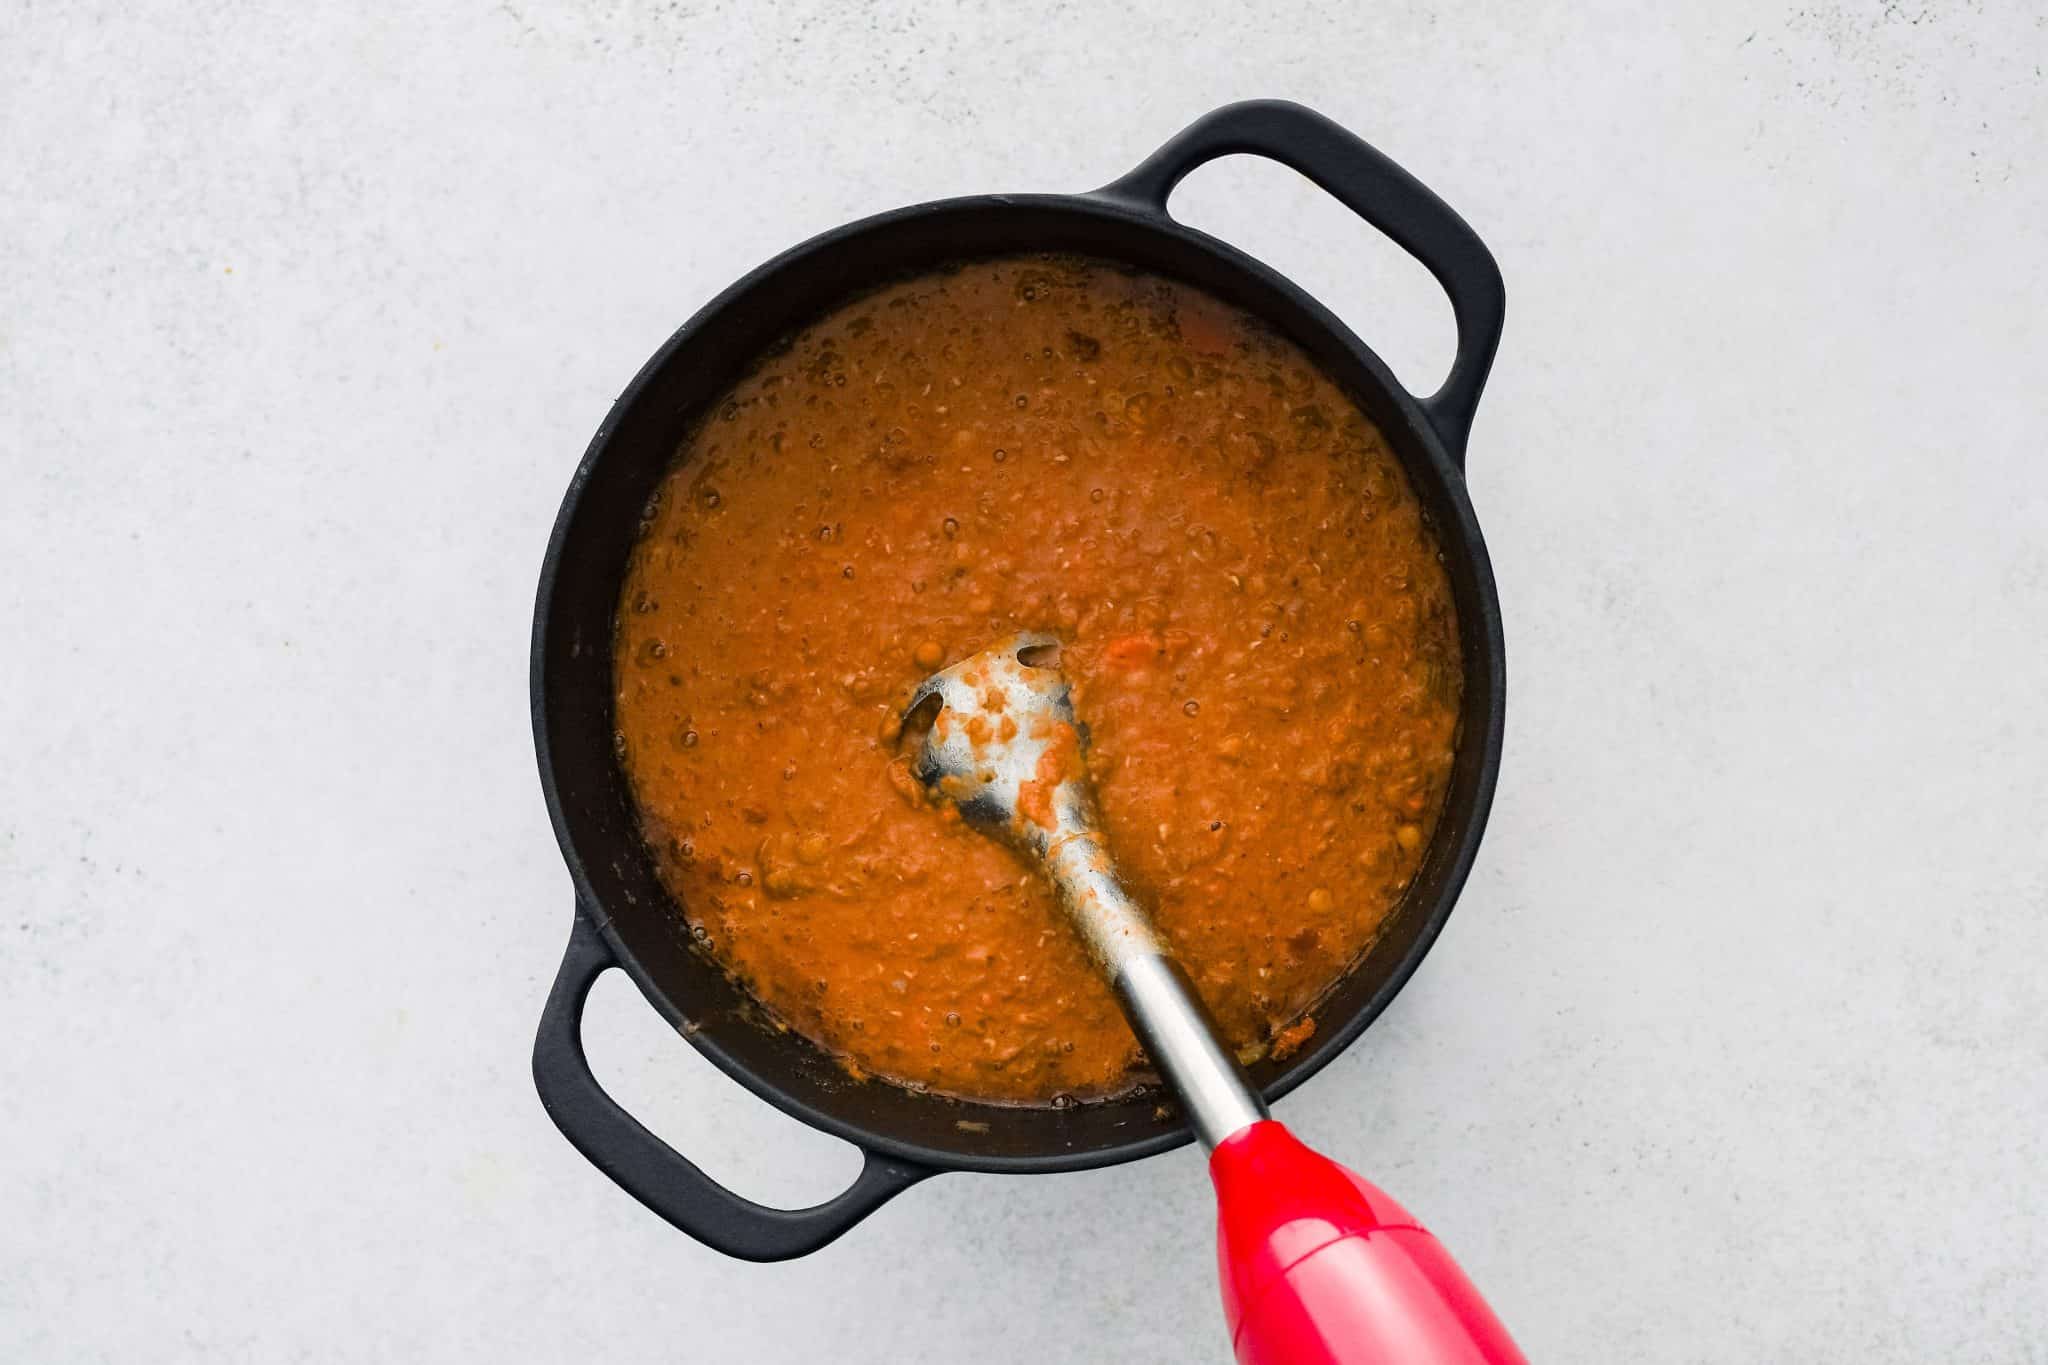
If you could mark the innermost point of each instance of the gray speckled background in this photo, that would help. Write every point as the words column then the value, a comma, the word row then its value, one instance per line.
column 1737, row 1048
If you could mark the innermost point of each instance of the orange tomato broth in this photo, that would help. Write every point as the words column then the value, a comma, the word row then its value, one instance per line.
column 1256, row 623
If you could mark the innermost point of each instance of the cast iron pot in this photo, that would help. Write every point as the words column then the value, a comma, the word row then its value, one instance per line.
column 625, row 918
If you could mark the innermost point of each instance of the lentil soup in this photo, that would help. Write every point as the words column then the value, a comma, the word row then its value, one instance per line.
column 1256, row 624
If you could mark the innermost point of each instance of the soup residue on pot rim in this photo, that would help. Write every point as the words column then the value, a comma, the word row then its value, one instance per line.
column 1256, row 623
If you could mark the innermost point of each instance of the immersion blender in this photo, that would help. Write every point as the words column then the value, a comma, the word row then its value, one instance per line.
column 1318, row 1266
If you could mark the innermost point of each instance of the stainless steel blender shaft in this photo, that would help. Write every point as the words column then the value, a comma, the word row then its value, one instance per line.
column 1004, row 747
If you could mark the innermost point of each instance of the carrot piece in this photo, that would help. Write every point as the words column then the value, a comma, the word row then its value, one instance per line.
column 1131, row 651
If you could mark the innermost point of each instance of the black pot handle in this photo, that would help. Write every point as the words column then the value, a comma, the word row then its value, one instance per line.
column 655, row 1173
column 1378, row 191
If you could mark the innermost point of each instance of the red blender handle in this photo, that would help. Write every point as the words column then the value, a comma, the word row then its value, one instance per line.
column 1321, row 1268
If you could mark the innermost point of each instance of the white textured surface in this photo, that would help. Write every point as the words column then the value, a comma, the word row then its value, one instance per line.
column 1737, row 1048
